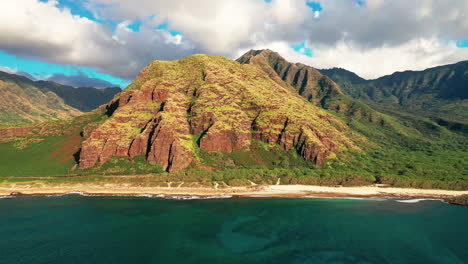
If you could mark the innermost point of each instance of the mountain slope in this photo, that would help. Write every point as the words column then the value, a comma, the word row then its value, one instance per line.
column 29, row 101
column 207, row 119
column 344, row 78
column 22, row 102
column 440, row 91
column 83, row 98
column 310, row 84
column 175, row 109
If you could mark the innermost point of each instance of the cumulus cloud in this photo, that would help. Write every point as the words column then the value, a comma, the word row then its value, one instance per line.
column 17, row 72
column 8, row 70
column 222, row 26
column 375, row 62
column 370, row 37
column 378, row 22
column 216, row 26
column 41, row 30
column 358, row 35
column 79, row 80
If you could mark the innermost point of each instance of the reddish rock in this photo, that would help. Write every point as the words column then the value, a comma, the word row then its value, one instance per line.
column 88, row 129
column 224, row 140
column 15, row 131
column 221, row 103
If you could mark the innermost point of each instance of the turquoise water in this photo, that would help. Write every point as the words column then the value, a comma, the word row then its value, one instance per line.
column 75, row 229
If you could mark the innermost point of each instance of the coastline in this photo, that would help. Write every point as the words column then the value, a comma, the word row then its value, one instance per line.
column 278, row 191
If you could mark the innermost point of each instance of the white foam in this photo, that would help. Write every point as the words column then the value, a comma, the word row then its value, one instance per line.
column 182, row 197
column 317, row 197
column 79, row 193
column 260, row 196
column 218, row 197
column 192, row 197
column 107, row 195
column 418, row 200
column 144, row 195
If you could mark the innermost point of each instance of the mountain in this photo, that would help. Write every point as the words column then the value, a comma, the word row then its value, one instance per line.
column 83, row 98
column 174, row 109
column 310, row 84
column 205, row 118
column 346, row 79
column 23, row 102
column 440, row 92
column 363, row 116
column 35, row 101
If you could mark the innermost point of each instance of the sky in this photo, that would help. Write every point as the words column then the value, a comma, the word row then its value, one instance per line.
column 105, row 43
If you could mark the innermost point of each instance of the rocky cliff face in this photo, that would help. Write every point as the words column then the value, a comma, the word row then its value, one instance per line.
column 174, row 108
column 310, row 84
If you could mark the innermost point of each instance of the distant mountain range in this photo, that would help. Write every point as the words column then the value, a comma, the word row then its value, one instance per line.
column 27, row 101
column 439, row 92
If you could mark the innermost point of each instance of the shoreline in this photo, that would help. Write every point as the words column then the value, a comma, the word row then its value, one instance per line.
column 264, row 191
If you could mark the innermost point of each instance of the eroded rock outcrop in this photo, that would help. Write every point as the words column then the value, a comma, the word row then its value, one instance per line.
column 310, row 84
column 211, row 103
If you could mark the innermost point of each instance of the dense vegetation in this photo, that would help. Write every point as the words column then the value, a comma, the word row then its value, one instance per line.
column 437, row 162
column 311, row 84
column 28, row 101
column 397, row 148
column 23, row 102
column 82, row 98
column 439, row 92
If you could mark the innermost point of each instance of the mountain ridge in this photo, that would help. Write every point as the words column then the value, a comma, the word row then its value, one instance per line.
column 210, row 103
column 308, row 82
column 439, row 92
column 35, row 101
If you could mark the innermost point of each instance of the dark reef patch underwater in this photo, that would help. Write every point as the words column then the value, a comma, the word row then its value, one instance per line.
column 76, row 229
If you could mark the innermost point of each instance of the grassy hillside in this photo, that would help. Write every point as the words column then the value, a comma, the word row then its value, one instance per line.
column 22, row 102
column 204, row 104
column 82, row 98
column 28, row 101
column 310, row 84
column 439, row 92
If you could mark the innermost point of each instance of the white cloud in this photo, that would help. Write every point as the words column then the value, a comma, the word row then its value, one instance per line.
column 17, row 72
column 289, row 12
column 217, row 26
column 41, row 30
column 373, row 63
column 8, row 70
column 375, row 39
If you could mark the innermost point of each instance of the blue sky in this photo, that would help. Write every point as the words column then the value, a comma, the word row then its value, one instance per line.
column 77, row 8
column 302, row 49
column 41, row 70
column 462, row 43
column 316, row 6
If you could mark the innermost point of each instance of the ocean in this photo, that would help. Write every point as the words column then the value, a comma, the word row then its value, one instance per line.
column 80, row 229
